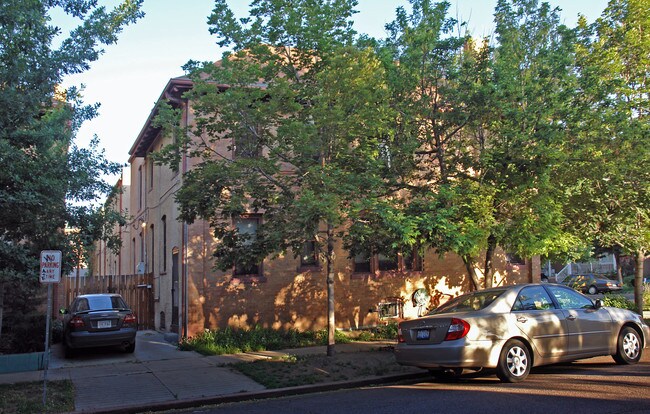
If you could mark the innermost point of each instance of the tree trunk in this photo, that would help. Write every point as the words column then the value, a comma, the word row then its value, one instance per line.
column 619, row 268
column 638, row 281
column 489, row 254
column 471, row 273
column 331, row 323
column 2, row 304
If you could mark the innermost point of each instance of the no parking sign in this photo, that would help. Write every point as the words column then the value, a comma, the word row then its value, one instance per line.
column 50, row 266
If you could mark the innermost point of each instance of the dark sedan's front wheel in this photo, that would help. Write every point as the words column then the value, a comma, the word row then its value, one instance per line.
column 628, row 350
column 514, row 362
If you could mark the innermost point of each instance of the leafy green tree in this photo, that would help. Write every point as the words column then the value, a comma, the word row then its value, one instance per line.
column 292, row 124
column 46, row 179
column 437, row 80
column 518, row 141
column 488, row 122
column 610, row 195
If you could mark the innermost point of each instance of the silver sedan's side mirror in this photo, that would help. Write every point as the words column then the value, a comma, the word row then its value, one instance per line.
column 598, row 303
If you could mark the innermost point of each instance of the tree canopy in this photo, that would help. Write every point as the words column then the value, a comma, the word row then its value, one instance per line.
column 427, row 139
column 609, row 190
column 296, row 133
column 47, row 181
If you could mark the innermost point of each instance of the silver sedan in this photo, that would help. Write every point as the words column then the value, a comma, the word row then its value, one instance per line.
column 517, row 327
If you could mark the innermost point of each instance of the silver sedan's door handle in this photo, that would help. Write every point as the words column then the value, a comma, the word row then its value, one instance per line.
column 571, row 317
column 522, row 319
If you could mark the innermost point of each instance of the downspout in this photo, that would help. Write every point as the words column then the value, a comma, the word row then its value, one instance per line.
column 185, row 238
column 119, row 256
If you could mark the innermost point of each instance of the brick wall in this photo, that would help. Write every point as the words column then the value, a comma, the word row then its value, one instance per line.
column 294, row 297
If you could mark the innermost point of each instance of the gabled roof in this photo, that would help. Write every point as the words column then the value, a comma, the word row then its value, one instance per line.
column 172, row 93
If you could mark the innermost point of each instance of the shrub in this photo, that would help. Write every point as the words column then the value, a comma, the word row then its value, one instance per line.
column 26, row 333
column 386, row 331
column 231, row 341
column 57, row 330
column 618, row 301
column 365, row 336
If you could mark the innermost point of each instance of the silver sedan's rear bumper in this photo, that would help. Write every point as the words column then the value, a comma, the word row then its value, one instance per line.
column 450, row 354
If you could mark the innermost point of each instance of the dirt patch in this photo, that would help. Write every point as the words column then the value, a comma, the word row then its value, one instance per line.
column 291, row 371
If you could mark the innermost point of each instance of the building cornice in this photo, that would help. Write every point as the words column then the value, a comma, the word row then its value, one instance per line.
column 173, row 94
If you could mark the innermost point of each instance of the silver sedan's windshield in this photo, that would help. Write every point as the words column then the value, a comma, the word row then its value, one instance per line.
column 470, row 302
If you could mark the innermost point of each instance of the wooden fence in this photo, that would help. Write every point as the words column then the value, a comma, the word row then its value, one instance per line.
column 137, row 291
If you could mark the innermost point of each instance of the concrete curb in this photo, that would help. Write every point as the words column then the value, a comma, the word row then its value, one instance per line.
column 266, row 394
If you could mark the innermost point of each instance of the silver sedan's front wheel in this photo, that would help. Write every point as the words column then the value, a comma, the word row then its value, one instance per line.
column 514, row 362
column 628, row 350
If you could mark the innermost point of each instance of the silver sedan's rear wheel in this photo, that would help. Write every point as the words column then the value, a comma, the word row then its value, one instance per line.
column 628, row 349
column 514, row 362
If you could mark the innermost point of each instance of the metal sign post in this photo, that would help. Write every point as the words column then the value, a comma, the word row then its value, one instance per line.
column 50, row 273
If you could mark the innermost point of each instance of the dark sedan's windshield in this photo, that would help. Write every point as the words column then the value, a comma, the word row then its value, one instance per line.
column 470, row 302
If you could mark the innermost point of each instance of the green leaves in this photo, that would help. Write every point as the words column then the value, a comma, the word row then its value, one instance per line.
column 612, row 137
column 47, row 182
column 295, row 125
column 428, row 138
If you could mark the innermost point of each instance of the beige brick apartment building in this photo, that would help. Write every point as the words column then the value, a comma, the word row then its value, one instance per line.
column 187, row 295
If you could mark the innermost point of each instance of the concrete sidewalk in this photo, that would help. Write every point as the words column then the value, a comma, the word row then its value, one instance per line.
column 158, row 376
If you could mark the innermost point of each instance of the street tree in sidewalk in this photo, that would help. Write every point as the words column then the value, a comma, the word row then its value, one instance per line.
column 45, row 176
column 488, row 122
column 437, row 77
column 517, row 145
column 292, row 124
column 608, row 179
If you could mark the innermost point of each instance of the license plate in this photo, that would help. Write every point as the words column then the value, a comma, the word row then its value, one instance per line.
column 103, row 324
column 422, row 334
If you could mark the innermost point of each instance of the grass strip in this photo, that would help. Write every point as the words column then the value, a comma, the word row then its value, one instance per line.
column 27, row 397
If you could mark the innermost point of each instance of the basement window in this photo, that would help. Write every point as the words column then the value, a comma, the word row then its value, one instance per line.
column 391, row 308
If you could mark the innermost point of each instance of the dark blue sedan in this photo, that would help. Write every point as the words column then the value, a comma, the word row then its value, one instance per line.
column 98, row 320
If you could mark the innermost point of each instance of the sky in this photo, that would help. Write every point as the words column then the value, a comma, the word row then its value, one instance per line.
column 130, row 76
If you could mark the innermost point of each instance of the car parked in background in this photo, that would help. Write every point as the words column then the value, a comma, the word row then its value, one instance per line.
column 592, row 284
column 98, row 320
column 514, row 328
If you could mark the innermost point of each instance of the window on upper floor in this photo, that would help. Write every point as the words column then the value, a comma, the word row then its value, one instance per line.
column 247, row 226
column 140, row 188
column 248, row 145
column 150, row 167
column 163, row 222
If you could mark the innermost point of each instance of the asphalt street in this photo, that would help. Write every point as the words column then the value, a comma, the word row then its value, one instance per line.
column 592, row 386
